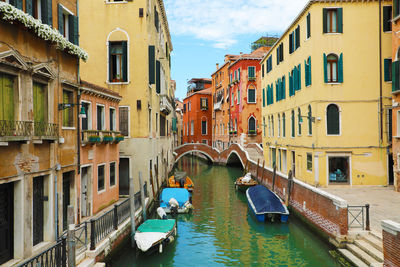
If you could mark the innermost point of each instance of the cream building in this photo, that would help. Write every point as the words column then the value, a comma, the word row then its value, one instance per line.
column 327, row 95
column 130, row 46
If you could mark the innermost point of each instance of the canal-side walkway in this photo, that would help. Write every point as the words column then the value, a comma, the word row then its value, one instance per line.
column 384, row 201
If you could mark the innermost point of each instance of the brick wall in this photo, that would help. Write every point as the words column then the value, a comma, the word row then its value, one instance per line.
column 391, row 243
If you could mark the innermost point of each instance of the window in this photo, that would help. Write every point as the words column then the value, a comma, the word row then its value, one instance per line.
column 263, row 97
column 39, row 9
column 333, row 20
column 299, row 121
column 238, row 96
column 162, row 126
column 204, row 103
column 398, row 126
column 113, row 126
column 283, row 125
column 309, row 120
column 156, row 19
column 39, row 106
column 332, row 120
column 308, row 25
column 192, row 128
column 87, row 122
column 333, row 68
column 338, row 169
column 279, row 54
column 100, row 177
column 68, row 24
column 239, row 74
column 124, row 120
column 269, row 64
column 293, row 128
column 294, row 40
column 272, row 126
column 232, row 99
column 252, row 73
column 100, row 118
column 279, row 125
column 152, row 64
column 118, row 62
column 252, row 125
column 396, row 8
column 112, row 173
column 387, row 18
column 264, row 127
column 204, row 127
column 309, row 162
column 388, row 69
column 68, row 113
column 307, row 68
column 251, row 95
column 262, row 70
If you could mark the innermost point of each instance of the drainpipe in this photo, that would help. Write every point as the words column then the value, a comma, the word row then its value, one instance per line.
column 78, row 97
column 380, row 72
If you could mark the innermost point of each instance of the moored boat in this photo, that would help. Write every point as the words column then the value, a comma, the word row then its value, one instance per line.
column 175, row 200
column 266, row 205
column 155, row 234
column 181, row 180
column 243, row 183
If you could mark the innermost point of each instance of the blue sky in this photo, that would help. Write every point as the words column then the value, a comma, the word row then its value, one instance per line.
column 204, row 31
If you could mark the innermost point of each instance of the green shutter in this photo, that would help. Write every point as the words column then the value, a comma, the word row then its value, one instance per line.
column 387, row 23
column 299, row 76
column 283, row 87
column 305, row 73
column 309, row 71
column 387, row 63
column 16, row 3
column 395, row 76
column 272, row 93
column 340, row 20
column 340, row 68
column 324, row 20
column 29, row 7
column 263, row 96
column 309, row 120
column 308, row 25
column 73, row 29
column 298, row 36
column 60, row 19
column 125, row 61
column 38, row 102
column 333, row 119
column 110, row 78
column 65, row 111
column 6, row 97
column 47, row 14
column 325, row 69
column 152, row 58
column 158, row 77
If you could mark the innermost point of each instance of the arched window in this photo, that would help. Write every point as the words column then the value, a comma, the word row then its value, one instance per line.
column 299, row 121
column 252, row 125
column 332, row 68
column 293, row 125
column 118, row 63
column 283, row 125
column 203, row 126
column 279, row 125
column 332, row 120
column 309, row 120
column 272, row 125
column 251, row 94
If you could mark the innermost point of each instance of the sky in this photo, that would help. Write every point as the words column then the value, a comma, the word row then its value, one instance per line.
column 204, row 31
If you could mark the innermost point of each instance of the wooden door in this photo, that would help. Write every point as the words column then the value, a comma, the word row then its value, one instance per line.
column 84, row 191
column 6, row 222
column 6, row 97
column 66, row 198
column 38, row 208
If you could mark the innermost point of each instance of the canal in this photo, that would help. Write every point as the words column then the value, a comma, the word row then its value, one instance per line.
column 221, row 232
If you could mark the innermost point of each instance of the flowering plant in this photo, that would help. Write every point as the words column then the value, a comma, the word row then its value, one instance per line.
column 10, row 13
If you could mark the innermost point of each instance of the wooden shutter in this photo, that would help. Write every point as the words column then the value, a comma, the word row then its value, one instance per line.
column 387, row 64
column 66, row 113
column 6, row 97
column 325, row 69
column 38, row 102
column 290, row 43
column 158, row 77
column 152, row 67
column 60, row 19
column 47, row 14
column 125, row 61
column 16, row 3
column 123, row 121
column 324, row 20
column 299, row 76
column 387, row 18
column 29, row 7
column 73, row 29
column 309, row 71
column 340, row 20
column 263, row 97
column 340, row 68
column 283, row 88
column 281, row 52
column 395, row 8
column 332, row 119
column 110, row 69
column 277, row 55
column 308, row 25
column 298, row 37
column 395, row 76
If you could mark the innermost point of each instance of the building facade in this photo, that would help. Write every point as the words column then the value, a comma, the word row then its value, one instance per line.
column 38, row 124
column 134, row 39
column 98, row 183
column 322, row 76
column 179, row 122
column 197, row 113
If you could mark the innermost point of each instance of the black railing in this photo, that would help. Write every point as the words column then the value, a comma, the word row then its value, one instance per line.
column 123, row 210
column 55, row 256
column 15, row 128
column 45, row 129
column 358, row 217
column 138, row 201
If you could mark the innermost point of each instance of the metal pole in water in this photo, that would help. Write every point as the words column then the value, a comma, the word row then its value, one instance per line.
column 132, row 208
column 142, row 198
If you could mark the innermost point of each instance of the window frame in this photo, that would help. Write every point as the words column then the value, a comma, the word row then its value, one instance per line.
column 329, row 66
column 113, row 127
column 339, row 121
column 103, row 117
column 88, row 114
column 206, row 129
column 70, row 110
column 255, row 125
column 129, row 120
column 251, row 87
column 104, row 178
column 109, row 81
column 115, row 173
column 309, row 162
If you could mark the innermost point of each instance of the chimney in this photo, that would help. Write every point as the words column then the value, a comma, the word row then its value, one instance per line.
column 217, row 65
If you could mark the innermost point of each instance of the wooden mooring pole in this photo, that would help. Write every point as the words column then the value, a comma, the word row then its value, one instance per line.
column 258, row 164
column 132, row 208
column 273, row 177
column 152, row 185
column 142, row 196
column 262, row 174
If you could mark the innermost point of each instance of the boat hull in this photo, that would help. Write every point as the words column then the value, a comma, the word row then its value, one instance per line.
column 157, row 245
column 189, row 185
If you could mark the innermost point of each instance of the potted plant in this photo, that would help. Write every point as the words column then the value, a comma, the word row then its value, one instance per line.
column 119, row 138
column 252, row 132
column 108, row 139
column 252, row 78
column 94, row 139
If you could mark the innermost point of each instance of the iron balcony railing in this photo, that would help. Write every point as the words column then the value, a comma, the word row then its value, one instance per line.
column 46, row 130
column 358, row 217
column 55, row 256
column 99, row 136
column 17, row 130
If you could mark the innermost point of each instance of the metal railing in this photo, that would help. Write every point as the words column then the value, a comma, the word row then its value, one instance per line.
column 86, row 134
column 358, row 217
column 45, row 129
column 123, row 211
column 15, row 128
column 55, row 256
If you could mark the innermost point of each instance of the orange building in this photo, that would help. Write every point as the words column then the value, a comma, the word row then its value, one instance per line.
column 99, row 175
column 197, row 112
column 245, row 98
column 395, row 28
column 220, row 112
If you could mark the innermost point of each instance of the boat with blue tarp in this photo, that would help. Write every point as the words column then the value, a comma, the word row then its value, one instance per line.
column 175, row 200
column 266, row 205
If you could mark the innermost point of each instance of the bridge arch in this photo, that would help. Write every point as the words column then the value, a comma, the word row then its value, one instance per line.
column 209, row 158
column 234, row 158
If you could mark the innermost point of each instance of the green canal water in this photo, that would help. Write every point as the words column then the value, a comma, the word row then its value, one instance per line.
column 221, row 232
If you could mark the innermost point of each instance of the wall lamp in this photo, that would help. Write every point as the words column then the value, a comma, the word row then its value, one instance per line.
column 308, row 117
column 82, row 113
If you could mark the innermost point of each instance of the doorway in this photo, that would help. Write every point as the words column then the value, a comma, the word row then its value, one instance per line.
column 66, row 199
column 124, row 176
column 85, row 191
column 390, row 169
column 38, row 210
column 339, row 170
column 6, row 222
column 293, row 163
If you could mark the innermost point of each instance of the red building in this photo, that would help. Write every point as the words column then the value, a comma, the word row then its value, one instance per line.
column 245, row 98
column 197, row 113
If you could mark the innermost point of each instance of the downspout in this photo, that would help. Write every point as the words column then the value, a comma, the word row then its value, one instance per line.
column 380, row 72
column 78, row 97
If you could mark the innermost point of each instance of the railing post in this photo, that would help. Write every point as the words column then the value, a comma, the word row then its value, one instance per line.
column 85, row 234
column 92, row 234
column 115, row 217
column 71, row 237
column 367, row 226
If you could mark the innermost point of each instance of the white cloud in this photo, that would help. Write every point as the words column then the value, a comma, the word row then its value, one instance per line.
column 222, row 21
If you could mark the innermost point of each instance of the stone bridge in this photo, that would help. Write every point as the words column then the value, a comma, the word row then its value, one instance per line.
column 235, row 154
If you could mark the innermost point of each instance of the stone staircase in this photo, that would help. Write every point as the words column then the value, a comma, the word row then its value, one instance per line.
column 365, row 250
column 255, row 154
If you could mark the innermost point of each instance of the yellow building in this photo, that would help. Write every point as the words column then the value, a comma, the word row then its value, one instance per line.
column 325, row 96
column 131, row 45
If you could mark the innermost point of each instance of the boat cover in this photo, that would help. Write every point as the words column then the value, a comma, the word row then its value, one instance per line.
column 180, row 194
column 263, row 201
column 145, row 241
column 158, row 226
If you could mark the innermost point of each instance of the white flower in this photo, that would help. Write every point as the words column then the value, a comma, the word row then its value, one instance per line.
column 44, row 31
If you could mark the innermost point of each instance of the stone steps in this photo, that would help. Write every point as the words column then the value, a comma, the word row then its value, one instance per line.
column 352, row 258
column 369, row 249
column 88, row 262
column 361, row 254
column 374, row 241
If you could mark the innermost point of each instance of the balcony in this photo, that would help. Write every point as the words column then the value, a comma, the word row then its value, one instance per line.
column 165, row 105
column 98, row 137
column 14, row 131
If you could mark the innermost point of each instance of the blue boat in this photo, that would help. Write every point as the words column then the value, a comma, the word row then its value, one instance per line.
column 265, row 204
column 175, row 200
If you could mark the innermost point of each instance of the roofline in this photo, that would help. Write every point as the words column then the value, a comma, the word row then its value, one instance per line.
column 245, row 58
column 165, row 20
column 197, row 93
column 220, row 68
